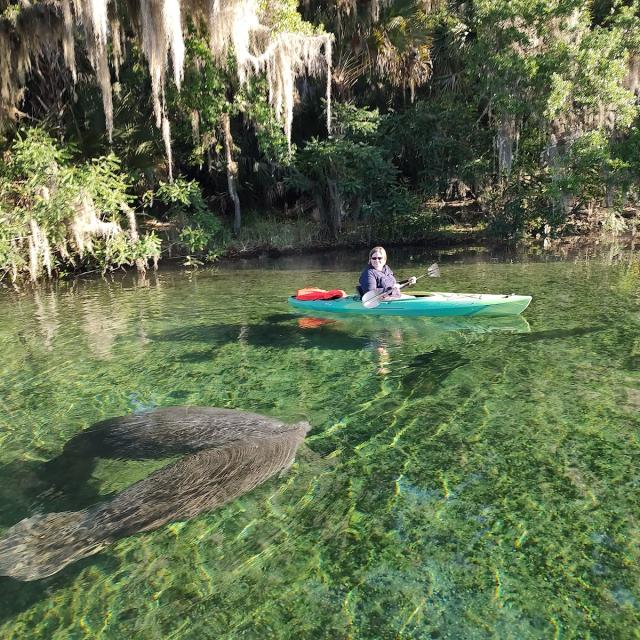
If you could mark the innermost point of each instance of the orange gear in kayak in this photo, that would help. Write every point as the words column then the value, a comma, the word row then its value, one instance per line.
column 311, row 293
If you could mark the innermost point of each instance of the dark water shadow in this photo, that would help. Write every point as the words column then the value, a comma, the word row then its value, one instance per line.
column 280, row 317
column 561, row 334
column 429, row 371
column 224, row 453
column 273, row 335
column 288, row 331
column 196, row 357
column 32, row 487
column 20, row 596
column 632, row 363
column 427, row 324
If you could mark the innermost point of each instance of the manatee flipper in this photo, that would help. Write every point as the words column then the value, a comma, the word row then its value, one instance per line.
column 42, row 545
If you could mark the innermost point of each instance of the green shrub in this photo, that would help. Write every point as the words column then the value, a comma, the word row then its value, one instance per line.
column 57, row 215
column 350, row 176
column 201, row 233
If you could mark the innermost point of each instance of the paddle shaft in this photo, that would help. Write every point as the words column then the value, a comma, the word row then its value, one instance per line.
column 406, row 283
column 401, row 286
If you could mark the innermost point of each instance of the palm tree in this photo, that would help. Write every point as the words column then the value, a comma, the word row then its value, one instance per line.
column 382, row 50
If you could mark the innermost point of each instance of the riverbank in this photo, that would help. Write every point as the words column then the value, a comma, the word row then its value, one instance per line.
column 297, row 239
column 439, row 225
column 446, row 238
column 269, row 240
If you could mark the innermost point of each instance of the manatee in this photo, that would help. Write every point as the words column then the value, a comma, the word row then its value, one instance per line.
column 228, row 454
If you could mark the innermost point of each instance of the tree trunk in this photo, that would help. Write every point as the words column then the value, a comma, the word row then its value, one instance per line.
column 335, row 206
column 141, row 264
column 232, row 172
column 329, row 203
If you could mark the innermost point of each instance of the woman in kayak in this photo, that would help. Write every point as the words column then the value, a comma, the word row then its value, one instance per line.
column 378, row 275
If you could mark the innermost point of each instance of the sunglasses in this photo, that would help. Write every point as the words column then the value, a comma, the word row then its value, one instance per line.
column 377, row 257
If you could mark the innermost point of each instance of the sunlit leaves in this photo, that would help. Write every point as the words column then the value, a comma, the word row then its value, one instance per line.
column 56, row 213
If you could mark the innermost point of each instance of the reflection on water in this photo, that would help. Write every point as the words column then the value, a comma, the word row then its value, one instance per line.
column 419, row 326
column 230, row 453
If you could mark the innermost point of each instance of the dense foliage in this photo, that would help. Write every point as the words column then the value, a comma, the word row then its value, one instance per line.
column 56, row 213
column 525, row 112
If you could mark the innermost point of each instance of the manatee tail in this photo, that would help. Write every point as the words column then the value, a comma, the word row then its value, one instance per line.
column 40, row 546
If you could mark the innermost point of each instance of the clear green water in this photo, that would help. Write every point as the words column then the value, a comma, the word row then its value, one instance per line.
column 469, row 480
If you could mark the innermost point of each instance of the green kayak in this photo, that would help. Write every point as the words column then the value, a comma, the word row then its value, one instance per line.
column 430, row 304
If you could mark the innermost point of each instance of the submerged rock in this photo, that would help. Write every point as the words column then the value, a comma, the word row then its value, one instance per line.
column 230, row 453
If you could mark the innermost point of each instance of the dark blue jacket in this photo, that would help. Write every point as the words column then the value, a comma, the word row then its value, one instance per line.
column 372, row 279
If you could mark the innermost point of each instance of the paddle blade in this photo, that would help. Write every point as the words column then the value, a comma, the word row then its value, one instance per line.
column 434, row 271
column 371, row 299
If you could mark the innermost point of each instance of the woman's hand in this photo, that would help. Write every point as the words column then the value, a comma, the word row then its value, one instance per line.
column 412, row 280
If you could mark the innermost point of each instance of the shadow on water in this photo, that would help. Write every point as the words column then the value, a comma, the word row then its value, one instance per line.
column 561, row 334
column 224, row 454
column 20, row 596
column 280, row 317
column 28, row 487
column 432, row 327
column 632, row 363
column 271, row 335
column 428, row 371
column 286, row 331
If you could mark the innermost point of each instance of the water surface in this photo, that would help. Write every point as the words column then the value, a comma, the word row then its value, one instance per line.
column 462, row 479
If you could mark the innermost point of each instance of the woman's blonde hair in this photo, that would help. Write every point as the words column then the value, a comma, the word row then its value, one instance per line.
column 380, row 249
